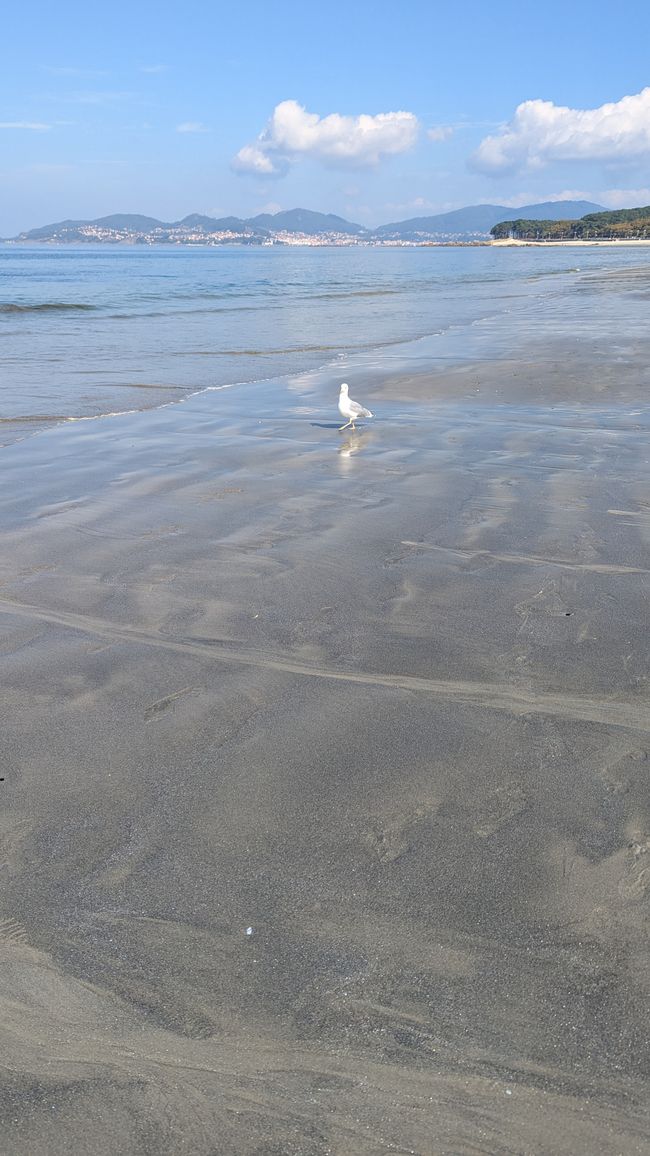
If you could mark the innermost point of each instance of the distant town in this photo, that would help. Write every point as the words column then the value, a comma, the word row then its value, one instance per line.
column 555, row 221
column 180, row 235
column 300, row 227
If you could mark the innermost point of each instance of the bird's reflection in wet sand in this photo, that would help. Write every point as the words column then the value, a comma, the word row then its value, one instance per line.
column 353, row 443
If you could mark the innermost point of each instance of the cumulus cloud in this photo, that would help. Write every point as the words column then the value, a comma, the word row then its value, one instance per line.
column 355, row 141
column 624, row 198
column 255, row 160
column 541, row 132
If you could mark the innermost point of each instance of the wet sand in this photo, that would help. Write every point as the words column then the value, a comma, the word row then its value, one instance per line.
column 325, row 823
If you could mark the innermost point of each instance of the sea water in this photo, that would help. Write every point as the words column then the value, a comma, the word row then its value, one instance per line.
column 93, row 330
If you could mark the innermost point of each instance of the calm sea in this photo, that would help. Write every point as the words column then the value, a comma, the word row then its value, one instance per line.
column 89, row 331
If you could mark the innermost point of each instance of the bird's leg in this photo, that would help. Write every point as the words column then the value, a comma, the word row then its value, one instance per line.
column 342, row 427
column 353, row 426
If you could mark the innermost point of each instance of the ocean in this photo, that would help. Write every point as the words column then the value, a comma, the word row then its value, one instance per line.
column 91, row 331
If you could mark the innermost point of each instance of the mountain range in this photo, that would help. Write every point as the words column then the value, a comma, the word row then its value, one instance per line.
column 479, row 219
column 471, row 223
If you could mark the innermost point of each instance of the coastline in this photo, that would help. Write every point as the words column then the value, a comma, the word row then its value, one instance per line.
column 325, row 810
column 478, row 243
column 508, row 242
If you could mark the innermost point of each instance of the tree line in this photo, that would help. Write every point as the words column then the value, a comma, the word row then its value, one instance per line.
column 615, row 225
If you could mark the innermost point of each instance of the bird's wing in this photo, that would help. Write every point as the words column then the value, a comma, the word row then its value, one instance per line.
column 358, row 410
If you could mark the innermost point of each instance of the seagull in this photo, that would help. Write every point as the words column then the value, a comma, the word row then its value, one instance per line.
column 350, row 409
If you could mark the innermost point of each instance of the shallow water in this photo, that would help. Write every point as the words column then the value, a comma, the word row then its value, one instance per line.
column 90, row 331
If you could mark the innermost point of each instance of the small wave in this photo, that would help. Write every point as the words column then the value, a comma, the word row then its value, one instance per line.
column 259, row 352
column 33, row 418
column 330, row 296
column 169, row 313
column 348, row 346
column 44, row 307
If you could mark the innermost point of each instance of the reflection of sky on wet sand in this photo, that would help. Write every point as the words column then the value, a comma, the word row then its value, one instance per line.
column 353, row 444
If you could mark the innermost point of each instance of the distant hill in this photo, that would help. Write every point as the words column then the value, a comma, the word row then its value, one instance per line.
column 200, row 221
column 477, row 220
column 130, row 221
column 611, row 225
column 288, row 221
column 213, row 224
column 133, row 224
column 305, row 221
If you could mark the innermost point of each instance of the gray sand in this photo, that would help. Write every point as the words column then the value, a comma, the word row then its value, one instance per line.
column 380, row 697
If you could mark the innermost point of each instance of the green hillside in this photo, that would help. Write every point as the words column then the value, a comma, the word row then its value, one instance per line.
column 615, row 225
column 305, row 221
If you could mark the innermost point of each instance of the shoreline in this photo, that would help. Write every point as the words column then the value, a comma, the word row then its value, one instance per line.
column 326, row 760
column 127, row 396
column 508, row 242
column 478, row 243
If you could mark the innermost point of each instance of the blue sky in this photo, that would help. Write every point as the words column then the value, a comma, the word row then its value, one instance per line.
column 167, row 109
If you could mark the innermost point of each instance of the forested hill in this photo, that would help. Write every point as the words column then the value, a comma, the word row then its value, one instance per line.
column 616, row 225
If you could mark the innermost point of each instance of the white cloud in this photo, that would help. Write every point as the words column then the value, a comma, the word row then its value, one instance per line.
column 417, row 203
column 519, row 199
column 355, row 141
column 609, row 198
column 254, row 160
column 541, row 132
column 624, row 198
column 440, row 132
column 191, row 126
column 35, row 126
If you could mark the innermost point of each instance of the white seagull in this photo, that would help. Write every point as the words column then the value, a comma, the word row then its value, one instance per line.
column 350, row 409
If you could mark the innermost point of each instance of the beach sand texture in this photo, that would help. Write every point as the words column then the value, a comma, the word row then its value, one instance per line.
column 325, row 803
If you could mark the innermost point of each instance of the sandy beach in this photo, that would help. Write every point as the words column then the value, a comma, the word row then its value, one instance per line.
column 612, row 243
column 325, row 775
